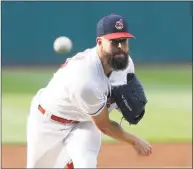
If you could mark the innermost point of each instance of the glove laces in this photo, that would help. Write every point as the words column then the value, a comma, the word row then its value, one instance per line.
column 122, row 120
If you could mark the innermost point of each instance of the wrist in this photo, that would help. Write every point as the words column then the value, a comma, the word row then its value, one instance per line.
column 131, row 138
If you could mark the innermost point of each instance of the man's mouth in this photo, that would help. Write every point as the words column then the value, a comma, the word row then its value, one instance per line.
column 120, row 54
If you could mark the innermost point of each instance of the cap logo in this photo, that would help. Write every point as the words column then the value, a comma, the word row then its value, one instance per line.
column 119, row 24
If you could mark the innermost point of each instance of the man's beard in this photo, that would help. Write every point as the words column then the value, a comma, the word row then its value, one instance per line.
column 118, row 62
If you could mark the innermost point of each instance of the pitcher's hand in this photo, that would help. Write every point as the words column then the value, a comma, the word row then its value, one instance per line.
column 142, row 147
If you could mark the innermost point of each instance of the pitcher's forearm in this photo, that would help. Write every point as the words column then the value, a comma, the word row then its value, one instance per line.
column 115, row 131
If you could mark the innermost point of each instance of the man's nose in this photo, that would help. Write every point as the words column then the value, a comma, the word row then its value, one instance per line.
column 119, row 45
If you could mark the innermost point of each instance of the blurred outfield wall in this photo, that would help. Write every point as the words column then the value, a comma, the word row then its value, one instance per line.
column 163, row 30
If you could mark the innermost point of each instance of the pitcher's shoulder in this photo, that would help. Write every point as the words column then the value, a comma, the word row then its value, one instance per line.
column 84, row 53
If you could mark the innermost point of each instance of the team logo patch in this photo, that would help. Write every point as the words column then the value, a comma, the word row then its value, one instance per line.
column 119, row 24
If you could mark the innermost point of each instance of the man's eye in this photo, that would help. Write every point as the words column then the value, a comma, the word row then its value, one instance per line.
column 123, row 40
column 116, row 42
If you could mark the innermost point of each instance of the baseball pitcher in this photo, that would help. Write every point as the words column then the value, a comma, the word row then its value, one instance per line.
column 68, row 116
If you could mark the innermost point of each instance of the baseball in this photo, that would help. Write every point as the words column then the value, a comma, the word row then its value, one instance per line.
column 62, row 45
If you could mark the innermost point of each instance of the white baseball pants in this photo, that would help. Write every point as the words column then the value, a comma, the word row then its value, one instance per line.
column 52, row 144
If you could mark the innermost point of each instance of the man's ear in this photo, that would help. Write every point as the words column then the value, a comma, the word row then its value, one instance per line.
column 98, row 40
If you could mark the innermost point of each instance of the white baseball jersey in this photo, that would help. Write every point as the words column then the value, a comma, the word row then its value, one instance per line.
column 80, row 88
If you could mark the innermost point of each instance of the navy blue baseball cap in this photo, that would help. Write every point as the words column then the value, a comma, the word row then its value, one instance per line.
column 113, row 27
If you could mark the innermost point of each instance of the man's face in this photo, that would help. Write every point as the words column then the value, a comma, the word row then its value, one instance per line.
column 116, row 51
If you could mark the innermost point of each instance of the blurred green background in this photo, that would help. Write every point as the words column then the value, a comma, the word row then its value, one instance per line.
column 168, row 115
column 163, row 60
